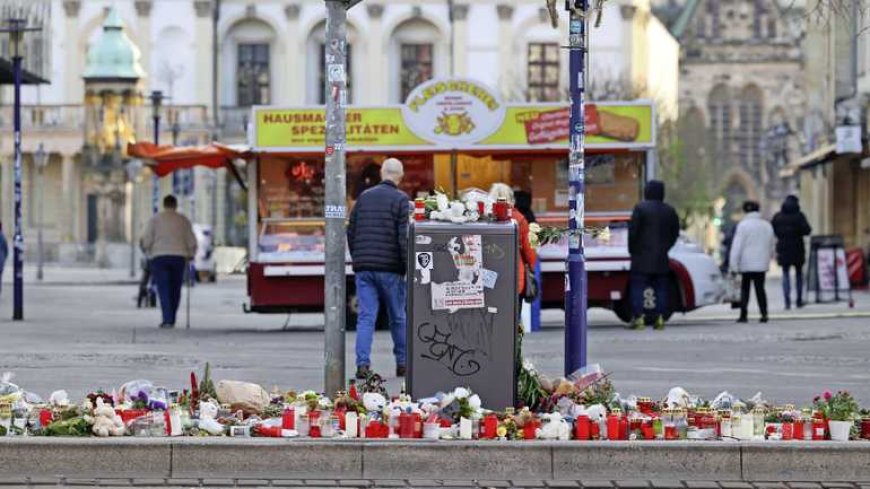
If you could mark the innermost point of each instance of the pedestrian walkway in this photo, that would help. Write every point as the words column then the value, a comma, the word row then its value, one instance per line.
column 73, row 275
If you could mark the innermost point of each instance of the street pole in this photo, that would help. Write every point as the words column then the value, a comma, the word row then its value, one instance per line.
column 16, row 29
column 156, row 101
column 335, row 202
column 576, row 283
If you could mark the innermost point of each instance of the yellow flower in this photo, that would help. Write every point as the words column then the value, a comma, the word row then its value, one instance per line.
column 501, row 432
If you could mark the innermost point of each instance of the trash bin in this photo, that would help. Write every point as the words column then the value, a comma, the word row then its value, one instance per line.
column 463, row 310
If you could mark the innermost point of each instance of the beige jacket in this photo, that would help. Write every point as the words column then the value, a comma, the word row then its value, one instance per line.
column 169, row 233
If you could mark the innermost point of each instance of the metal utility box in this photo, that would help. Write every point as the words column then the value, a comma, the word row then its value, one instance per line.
column 463, row 310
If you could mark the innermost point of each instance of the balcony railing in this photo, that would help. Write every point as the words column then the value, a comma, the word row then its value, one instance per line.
column 72, row 117
column 234, row 121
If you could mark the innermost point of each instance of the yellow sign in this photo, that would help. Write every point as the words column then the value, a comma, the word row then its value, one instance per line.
column 617, row 125
column 288, row 129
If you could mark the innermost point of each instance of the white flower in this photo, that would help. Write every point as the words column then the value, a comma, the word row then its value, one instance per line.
column 461, row 393
column 471, row 205
column 474, row 402
column 443, row 202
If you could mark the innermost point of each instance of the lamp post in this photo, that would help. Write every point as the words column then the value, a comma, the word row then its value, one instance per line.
column 134, row 168
column 156, row 102
column 16, row 29
column 40, row 158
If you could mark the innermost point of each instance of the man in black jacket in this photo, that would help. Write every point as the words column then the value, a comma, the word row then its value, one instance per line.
column 377, row 235
column 652, row 232
column 790, row 226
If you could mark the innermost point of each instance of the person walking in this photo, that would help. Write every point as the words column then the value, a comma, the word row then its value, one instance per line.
column 169, row 243
column 790, row 227
column 751, row 252
column 527, row 256
column 652, row 232
column 377, row 236
column 4, row 252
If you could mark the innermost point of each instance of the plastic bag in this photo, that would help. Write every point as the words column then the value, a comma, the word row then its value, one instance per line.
column 136, row 390
column 586, row 376
column 244, row 396
column 723, row 401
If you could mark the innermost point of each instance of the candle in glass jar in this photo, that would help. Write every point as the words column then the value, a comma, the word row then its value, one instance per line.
column 351, row 424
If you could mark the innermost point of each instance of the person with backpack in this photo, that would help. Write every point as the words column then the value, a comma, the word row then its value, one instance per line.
column 790, row 226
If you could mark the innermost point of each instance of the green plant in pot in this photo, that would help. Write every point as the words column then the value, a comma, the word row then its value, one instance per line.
column 840, row 410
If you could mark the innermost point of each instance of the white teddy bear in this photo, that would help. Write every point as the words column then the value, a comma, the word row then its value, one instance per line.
column 374, row 402
column 106, row 421
column 555, row 427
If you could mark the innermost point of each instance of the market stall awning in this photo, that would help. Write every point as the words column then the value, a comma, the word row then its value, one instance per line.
column 818, row 156
column 166, row 159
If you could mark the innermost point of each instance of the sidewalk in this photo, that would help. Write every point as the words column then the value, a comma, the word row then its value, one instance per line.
column 79, row 275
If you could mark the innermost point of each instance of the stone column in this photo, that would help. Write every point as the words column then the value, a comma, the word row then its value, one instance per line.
column 377, row 79
column 68, row 203
column 203, row 38
column 506, row 60
column 294, row 57
column 143, row 27
column 460, row 40
column 74, row 65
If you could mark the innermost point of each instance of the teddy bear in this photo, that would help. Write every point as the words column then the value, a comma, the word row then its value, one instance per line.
column 106, row 421
column 555, row 427
column 208, row 412
column 374, row 402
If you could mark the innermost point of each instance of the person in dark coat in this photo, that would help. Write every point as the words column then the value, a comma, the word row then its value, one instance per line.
column 4, row 251
column 790, row 226
column 377, row 236
column 652, row 232
column 524, row 205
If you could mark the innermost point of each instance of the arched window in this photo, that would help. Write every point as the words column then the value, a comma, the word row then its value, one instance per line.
column 247, row 55
column 415, row 53
column 750, row 131
column 719, row 107
column 316, row 64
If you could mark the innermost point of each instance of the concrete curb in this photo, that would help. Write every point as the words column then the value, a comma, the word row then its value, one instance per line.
column 264, row 458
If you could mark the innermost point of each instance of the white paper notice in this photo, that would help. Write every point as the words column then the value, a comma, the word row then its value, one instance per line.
column 467, row 291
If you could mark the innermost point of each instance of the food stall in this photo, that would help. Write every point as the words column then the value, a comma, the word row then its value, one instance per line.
column 451, row 135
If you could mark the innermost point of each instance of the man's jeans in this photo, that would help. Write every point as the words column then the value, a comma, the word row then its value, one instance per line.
column 373, row 288
column 649, row 291
column 168, row 273
column 786, row 284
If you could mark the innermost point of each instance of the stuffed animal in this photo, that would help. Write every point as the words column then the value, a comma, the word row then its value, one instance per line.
column 555, row 427
column 106, row 421
column 374, row 402
column 207, row 422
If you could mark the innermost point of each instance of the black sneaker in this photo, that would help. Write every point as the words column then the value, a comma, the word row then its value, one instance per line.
column 362, row 372
column 742, row 320
column 400, row 371
column 763, row 319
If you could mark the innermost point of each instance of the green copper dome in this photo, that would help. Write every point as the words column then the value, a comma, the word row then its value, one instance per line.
column 113, row 56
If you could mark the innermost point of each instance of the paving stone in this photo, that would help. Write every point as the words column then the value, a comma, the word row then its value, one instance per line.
column 81, row 482
column 321, row 482
column 592, row 484
column 494, row 483
column 735, row 485
column 804, row 485
column 356, row 483
column 702, row 485
column 251, row 482
column 184, row 482
column 666, row 484
column 769, row 485
column 43, row 481
column 13, row 481
column 837, row 485
column 218, row 482
column 287, row 482
column 562, row 484
column 528, row 483
column 149, row 482
column 632, row 484
column 389, row 483
column 458, row 483
column 424, row 483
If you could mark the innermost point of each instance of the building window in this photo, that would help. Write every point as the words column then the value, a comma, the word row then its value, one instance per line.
column 321, row 97
column 713, row 12
column 416, row 66
column 543, row 72
column 252, row 75
column 750, row 127
column 719, row 107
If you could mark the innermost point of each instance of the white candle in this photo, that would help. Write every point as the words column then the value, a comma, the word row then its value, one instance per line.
column 464, row 428
column 351, row 426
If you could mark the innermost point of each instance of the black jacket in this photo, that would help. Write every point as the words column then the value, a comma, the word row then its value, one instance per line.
column 790, row 226
column 377, row 233
column 652, row 231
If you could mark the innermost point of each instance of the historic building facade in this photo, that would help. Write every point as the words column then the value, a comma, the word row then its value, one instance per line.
column 741, row 94
column 214, row 60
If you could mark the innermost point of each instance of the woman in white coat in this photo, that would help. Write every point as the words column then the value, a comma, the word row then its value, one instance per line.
column 751, row 253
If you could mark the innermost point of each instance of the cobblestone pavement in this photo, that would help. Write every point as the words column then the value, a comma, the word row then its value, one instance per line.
column 443, row 484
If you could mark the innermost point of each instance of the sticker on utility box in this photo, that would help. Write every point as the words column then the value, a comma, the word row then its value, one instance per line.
column 489, row 277
column 334, row 211
column 423, row 264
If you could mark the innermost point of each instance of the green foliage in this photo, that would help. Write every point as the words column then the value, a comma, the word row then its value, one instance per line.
column 837, row 407
column 687, row 174
column 69, row 427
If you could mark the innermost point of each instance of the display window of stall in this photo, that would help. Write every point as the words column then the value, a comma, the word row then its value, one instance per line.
column 613, row 183
column 291, row 193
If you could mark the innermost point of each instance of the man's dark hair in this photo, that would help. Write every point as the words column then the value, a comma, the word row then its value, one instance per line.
column 170, row 202
column 751, row 206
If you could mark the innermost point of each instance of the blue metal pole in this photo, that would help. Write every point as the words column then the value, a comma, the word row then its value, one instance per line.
column 576, row 282
column 18, row 240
